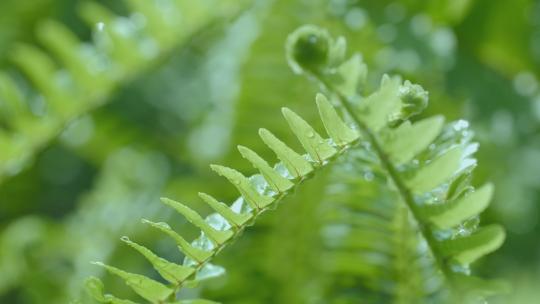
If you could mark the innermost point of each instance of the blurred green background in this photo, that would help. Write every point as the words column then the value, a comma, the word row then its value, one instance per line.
column 76, row 178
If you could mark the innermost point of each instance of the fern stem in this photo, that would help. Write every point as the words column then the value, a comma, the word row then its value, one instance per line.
column 238, row 230
column 404, row 192
column 216, row 250
column 241, row 228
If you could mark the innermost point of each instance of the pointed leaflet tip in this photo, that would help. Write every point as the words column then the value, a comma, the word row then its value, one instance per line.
column 385, row 78
column 437, row 171
column 403, row 143
column 337, row 51
column 352, row 74
column 217, row 236
column 277, row 182
column 320, row 97
column 340, row 133
column 147, row 288
column 294, row 162
column 196, row 254
column 244, row 186
column 232, row 217
column 468, row 249
column 376, row 109
column 154, row 224
column 453, row 213
column 94, row 286
column 313, row 143
column 171, row 272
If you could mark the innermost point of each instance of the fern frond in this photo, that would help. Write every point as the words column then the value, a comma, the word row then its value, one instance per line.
column 422, row 170
column 259, row 193
column 87, row 73
column 424, row 167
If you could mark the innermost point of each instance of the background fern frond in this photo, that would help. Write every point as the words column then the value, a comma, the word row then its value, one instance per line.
column 51, row 89
column 345, row 236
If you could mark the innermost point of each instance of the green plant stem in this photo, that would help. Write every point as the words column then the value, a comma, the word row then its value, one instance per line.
column 404, row 192
column 216, row 250
column 238, row 230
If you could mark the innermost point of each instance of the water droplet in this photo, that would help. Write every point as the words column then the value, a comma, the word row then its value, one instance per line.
column 163, row 225
column 456, row 267
column 203, row 243
column 100, row 26
column 310, row 134
column 209, row 271
column 260, row 184
column 217, row 222
column 442, row 235
column 282, row 170
column 460, row 125
column 240, row 206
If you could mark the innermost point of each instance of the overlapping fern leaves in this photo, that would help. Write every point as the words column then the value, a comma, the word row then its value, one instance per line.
column 74, row 77
column 365, row 217
column 431, row 222
column 419, row 227
column 260, row 193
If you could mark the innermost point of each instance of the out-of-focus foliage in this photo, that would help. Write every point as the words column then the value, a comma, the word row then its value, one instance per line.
column 123, row 46
column 434, row 233
column 156, row 132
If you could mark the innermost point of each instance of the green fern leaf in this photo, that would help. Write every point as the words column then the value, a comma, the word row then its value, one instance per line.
column 243, row 184
column 436, row 172
column 147, row 288
column 218, row 237
column 468, row 249
column 70, row 69
column 410, row 188
column 258, row 192
column 194, row 253
column 313, row 143
column 405, row 142
column 385, row 103
column 294, row 162
column 197, row 301
column 95, row 288
column 235, row 219
column 457, row 211
column 340, row 133
column 352, row 74
column 276, row 181
column 172, row 272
